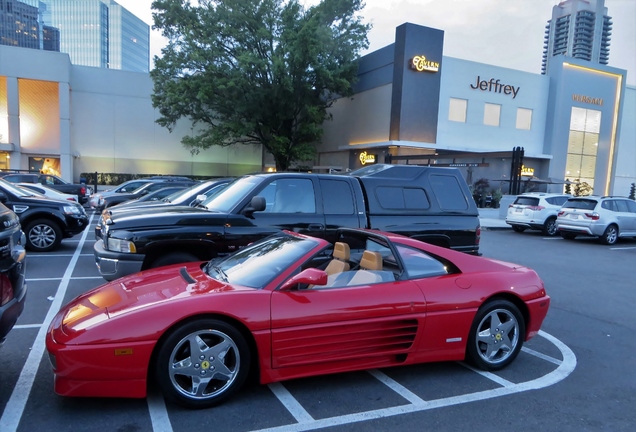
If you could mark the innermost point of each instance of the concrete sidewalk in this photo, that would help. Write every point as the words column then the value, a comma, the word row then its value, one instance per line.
column 492, row 219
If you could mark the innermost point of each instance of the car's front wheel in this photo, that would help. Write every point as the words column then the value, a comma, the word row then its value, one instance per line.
column 550, row 227
column 42, row 235
column 610, row 236
column 496, row 335
column 202, row 363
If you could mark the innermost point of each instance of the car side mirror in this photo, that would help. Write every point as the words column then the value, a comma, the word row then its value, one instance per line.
column 199, row 199
column 256, row 204
column 309, row 276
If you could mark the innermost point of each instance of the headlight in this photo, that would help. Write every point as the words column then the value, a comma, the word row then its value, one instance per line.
column 73, row 210
column 119, row 245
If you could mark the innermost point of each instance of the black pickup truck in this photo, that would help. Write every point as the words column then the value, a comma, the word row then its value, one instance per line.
column 427, row 203
column 54, row 182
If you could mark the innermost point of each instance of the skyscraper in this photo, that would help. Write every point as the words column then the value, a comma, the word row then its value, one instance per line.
column 580, row 29
column 99, row 33
column 20, row 26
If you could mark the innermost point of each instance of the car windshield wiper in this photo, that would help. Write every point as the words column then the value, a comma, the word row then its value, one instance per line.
column 221, row 273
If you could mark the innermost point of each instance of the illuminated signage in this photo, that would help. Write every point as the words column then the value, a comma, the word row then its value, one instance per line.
column 527, row 171
column 420, row 64
column 587, row 99
column 366, row 158
column 493, row 85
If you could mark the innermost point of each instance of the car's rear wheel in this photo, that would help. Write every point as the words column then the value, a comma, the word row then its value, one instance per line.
column 610, row 236
column 550, row 227
column 173, row 258
column 202, row 363
column 43, row 235
column 518, row 228
column 496, row 335
column 567, row 235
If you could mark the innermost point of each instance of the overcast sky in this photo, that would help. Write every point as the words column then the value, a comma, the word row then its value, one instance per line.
column 507, row 33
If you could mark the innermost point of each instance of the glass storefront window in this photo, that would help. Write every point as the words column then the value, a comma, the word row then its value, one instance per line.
column 4, row 111
column 583, row 145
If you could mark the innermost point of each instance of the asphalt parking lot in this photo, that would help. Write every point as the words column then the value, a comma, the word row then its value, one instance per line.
column 577, row 375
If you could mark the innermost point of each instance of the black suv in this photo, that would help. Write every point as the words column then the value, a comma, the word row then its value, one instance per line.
column 12, row 266
column 45, row 221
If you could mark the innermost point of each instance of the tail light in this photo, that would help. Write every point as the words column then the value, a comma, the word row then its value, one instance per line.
column 7, row 291
column 561, row 213
column 536, row 208
column 593, row 216
column 83, row 190
column 478, row 233
column 510, row 205
column 70, row 199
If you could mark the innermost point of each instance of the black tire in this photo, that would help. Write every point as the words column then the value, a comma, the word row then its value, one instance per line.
column 610, row 236
column 567, row 235
column 496, row 335
column 518, row 228
column 549, row 227
column 42, row 235
column 223, row 358
column 173, row 258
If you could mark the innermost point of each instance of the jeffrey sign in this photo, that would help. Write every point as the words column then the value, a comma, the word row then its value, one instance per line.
column 493, row 85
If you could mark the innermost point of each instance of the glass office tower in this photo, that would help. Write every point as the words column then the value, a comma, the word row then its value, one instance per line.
column 580, row 29
column 99, row 33
column 19, row 24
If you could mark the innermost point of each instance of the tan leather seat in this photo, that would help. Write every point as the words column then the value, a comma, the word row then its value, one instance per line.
column 370, row 265
column 340, row 261
column 371, row 260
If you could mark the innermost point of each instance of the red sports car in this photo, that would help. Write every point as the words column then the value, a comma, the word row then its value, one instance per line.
column 292, row 306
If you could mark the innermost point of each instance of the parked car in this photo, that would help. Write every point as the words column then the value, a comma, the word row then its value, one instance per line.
column 80, row 190
column 127, row 187
column 153, row 197
column 191, row 196
column 118, row 198
column 45, row 221
column 431, row 204
column 48, row 192
column 12, row 267
column 607, row 218
column 536, row 211
column 293, row 306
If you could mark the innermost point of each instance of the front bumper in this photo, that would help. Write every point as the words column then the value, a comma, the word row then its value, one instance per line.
column 10, row 312
column 75, row 224
column 113, row 265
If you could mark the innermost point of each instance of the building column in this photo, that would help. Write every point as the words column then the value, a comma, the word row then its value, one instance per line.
column 13, row 109
column 66, row 157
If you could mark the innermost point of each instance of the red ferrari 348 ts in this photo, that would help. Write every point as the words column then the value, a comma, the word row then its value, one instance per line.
column 292, row 306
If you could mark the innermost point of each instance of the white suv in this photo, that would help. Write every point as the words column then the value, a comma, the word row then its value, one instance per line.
column 605, row 217
column 536, row 211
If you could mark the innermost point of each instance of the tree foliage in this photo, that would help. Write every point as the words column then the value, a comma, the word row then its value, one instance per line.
column 255, row 71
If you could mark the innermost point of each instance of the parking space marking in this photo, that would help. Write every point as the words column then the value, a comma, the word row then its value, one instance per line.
column 15, row 405
column 397, row 387
column 57, row 255
column 158, row 413
column 541, row 355
column 489, row 375
column 27, row 326
column 552, row 238
column 56, row 279
column 290, row 403
column 623, row 248
column 560, row 373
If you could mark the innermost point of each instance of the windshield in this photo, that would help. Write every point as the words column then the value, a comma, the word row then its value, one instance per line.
column 258, row 264
column 15, row 190
column 231, row 195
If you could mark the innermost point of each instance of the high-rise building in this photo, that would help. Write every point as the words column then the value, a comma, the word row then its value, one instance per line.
column 18, row 24
column 99, row 33
column 580, row 29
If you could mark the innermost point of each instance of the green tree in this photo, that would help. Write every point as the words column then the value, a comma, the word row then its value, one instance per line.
column 255, row 71
column 632, row 191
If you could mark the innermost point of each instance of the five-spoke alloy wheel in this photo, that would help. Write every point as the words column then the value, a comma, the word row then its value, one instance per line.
column 202, row 363
column 496, row 335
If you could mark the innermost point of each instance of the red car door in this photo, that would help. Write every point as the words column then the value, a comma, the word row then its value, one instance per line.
column 324, row 325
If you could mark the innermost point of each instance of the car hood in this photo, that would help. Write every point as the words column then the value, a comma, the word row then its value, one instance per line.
column 151, row 216
column 139, row 292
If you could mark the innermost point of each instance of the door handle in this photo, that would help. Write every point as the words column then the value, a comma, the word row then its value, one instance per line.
column 316, row 227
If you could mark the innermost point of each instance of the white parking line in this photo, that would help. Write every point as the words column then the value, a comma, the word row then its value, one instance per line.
column 560, row 373
column 27, row 326
column 43, row 255
column 293, row 406
column 491, row 376
column 15, row 405
column 623, row 248
column 397, row 387
column 56, row 279
column 541, row 355
column 158, row 413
